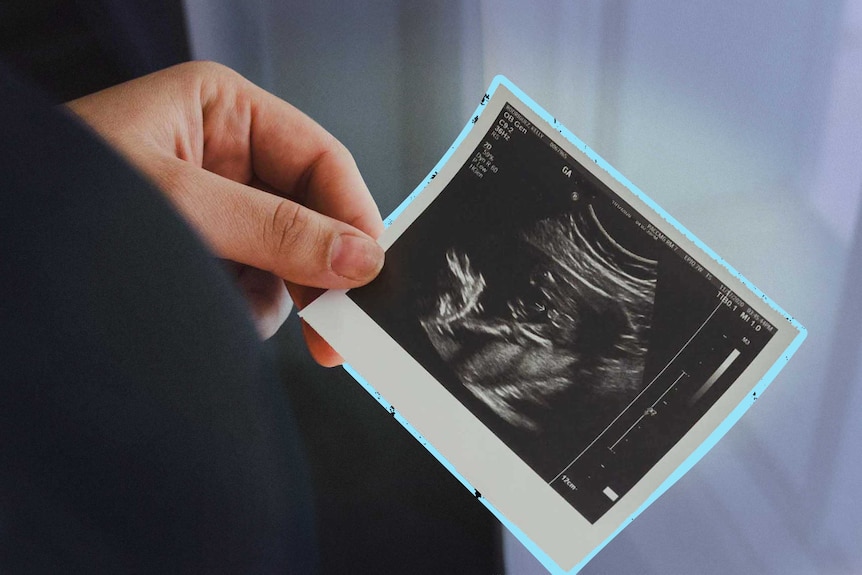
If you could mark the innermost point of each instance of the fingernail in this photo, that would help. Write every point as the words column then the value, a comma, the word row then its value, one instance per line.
column 356, row 258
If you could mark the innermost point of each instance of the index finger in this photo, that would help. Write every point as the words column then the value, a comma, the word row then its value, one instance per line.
column 296, row 156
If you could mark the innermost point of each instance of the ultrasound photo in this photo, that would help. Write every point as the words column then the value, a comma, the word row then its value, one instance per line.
column 560, row 319
column 575, row 317
column 526, row 293
column 550, row 334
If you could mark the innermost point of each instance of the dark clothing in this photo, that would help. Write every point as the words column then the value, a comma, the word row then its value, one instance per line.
column 142, row 427
column 71, row 48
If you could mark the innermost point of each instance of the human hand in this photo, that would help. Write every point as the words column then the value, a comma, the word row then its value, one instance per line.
column 264, row 185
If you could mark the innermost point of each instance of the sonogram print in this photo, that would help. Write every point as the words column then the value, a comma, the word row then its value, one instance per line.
column 574, row 324
column 553, row 310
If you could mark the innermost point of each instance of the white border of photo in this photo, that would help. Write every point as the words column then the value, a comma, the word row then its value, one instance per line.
column 550, row 527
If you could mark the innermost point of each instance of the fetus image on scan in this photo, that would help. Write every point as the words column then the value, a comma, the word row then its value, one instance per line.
column 571, row 329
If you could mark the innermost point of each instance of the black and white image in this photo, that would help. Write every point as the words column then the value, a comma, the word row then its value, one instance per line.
column 579, row 318
column 546, row 305
column 550, row 334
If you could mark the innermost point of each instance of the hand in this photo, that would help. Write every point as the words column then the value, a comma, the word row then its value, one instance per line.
column 264, row 185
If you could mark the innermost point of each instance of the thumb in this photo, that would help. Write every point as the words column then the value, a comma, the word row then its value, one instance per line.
column 248, row 225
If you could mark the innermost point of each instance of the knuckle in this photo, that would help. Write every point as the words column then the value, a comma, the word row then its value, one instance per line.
column 340, row 152
column 204, row 68
column 286, row 226
column 333, row 160
column 207, row 77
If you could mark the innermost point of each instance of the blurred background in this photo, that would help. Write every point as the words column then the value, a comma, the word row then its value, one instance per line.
column 742, row 119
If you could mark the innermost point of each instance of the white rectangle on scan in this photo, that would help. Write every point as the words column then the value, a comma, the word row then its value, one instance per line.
column 550, row 334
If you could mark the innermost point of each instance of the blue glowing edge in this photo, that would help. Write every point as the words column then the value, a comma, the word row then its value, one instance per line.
column 705, row 446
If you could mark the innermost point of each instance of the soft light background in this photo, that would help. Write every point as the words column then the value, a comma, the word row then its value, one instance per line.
column 742, row 119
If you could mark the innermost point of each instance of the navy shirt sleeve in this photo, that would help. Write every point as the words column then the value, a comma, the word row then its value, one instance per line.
column 142, row 428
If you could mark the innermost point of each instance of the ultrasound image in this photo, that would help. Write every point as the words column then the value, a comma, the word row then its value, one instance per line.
column 578, row 321
column 558, row 317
